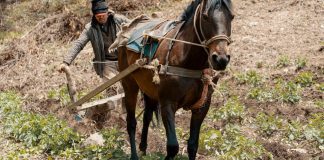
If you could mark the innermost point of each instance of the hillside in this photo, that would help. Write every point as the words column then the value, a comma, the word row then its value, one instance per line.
column 268, row 101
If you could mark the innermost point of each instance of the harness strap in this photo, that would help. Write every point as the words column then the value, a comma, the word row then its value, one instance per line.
column 207, row 80
column 181, row 72
column 171, row 45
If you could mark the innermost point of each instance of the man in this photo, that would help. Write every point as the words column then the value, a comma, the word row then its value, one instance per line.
column 101, row 32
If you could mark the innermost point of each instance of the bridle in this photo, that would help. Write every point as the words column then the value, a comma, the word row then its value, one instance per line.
column 203, row 40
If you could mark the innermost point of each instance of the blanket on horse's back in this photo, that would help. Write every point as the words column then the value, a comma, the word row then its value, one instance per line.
column 131, row 34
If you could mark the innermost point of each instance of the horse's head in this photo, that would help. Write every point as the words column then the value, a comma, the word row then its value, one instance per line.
column 214, row 23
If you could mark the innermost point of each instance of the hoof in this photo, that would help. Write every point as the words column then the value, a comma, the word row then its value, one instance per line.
column 134, row 157
column 142, row 153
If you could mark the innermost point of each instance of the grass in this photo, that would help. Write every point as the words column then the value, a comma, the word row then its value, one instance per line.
column 283, row 61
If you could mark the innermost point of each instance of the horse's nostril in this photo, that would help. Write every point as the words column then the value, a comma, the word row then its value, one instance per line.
column 228, row 57
column 215, row 57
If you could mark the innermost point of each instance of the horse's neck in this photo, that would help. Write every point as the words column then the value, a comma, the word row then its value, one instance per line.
column 195, row 56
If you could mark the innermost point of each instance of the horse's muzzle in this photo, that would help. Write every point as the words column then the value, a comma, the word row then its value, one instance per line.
column 220, row 62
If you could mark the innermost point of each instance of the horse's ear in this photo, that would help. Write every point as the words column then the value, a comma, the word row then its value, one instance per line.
column 204, row 8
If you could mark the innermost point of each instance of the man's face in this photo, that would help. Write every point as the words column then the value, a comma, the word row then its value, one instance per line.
column 101, row 17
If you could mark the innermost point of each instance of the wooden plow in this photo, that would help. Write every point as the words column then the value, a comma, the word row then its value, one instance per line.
column 79, row 105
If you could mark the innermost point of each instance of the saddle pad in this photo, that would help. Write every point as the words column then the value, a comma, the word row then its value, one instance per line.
column 135, row 42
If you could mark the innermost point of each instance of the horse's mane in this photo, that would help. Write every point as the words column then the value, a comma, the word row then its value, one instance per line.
column 214, row 4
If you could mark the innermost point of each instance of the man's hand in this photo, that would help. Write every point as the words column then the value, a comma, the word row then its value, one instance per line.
column 63, row 67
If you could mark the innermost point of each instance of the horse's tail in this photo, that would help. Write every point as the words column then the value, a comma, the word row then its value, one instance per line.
column 157, row 113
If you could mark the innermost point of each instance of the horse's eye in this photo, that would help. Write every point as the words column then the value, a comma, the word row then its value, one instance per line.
column 205, row 16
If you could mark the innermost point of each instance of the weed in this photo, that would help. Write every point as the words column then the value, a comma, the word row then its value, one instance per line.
column 319, row 103
column 315, row 129
column 250, row 77
column 305, row 79
column 300, row 63
column 231, row 144
column 231, row 111
column 320, row 87
column 283, row 61
column 294, row 130
column 287, row 91
column 261, row 94
column 267, row 125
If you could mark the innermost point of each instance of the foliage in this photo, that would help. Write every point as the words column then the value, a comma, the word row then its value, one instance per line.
column 232, row 110
column 110, row 150
column 320, row 103
column 47, row 133
column 230, row 144
column 283, row 61
column 300, row 63
column 305, row 79
column 62, row 94
column 9, row 103
column 287, row 91
column 262, row 94
column 267, row 125
column 294, row 130
column 320, row 87
column 250, row 77
column 315, row 129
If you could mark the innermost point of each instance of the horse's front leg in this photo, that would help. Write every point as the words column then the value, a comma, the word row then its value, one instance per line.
column 197, row 117
column 168, row 117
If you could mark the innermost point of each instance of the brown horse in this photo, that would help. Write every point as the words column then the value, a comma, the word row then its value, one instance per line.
column 207, row 23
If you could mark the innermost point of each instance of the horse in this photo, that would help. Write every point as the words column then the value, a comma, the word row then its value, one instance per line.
column 206, row 28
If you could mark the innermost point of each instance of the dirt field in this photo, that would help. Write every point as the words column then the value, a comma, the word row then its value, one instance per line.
column 270, row 38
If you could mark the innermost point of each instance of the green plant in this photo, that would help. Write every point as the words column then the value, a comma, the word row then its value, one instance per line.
column 267, row 125
column 9, row 103
column 261, row 94
column 287, row 91
column 300, row 63
column 320, row 87
column 283, row 61
column 230, row 144
column 250, row 77
column 231, row 111
column 294, row 130
column 305, row 79
column 319, row 103
column 314, row 130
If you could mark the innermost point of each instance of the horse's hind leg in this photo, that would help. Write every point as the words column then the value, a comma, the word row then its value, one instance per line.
column 131, row 91
column 150, row 107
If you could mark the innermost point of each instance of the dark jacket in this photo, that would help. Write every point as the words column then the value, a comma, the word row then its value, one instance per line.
column 93, row 33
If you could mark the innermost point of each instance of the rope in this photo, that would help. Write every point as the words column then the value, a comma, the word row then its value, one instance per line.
column 176, row 40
